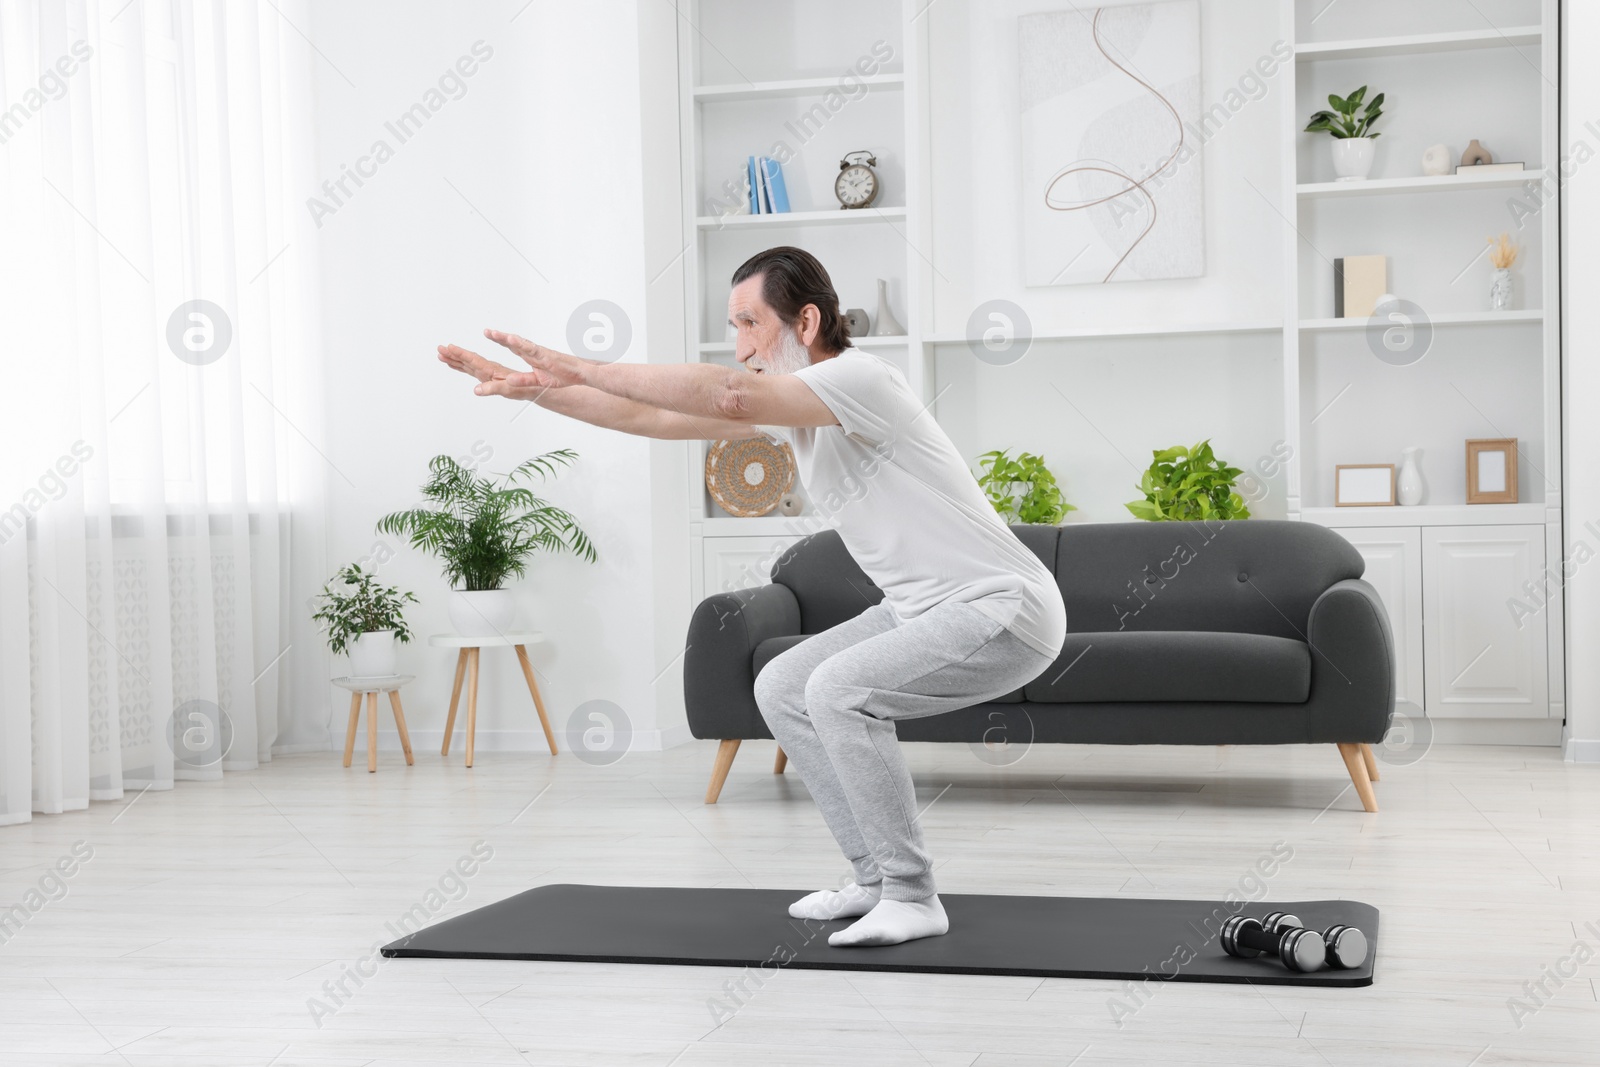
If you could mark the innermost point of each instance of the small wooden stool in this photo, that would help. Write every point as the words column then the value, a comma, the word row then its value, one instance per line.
column 467, row 668
column 370, row 688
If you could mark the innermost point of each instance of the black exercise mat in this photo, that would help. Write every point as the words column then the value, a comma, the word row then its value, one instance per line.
column 1038, row 937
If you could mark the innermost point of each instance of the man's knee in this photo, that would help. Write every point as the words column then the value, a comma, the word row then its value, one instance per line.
column 830, row 693
column 774, row 690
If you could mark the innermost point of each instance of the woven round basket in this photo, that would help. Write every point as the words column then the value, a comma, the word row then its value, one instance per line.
column 747, row 478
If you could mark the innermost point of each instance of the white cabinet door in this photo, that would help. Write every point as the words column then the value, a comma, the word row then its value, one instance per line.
column 1483, row 661
column 1394, row 569
column 739, row 562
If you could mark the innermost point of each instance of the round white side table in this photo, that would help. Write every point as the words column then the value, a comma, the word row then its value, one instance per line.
column 467, row 668
column 370, row 688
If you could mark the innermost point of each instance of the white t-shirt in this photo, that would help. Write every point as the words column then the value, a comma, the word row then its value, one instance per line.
column 909, row 509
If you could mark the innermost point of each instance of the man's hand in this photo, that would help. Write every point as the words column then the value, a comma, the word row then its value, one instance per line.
column 556, row 367
column 493, row 378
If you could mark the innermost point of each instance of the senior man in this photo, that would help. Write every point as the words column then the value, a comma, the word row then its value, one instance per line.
column 968, row 613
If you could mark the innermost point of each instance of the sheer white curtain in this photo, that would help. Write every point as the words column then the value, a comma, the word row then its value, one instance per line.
column 157, row 456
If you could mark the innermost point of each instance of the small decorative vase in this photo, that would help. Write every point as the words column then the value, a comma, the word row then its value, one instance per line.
column 1408, row 487
column 886, row 325
column 856, row 322
column 1476, row 155
column 1352, row 158
column 1500, row 289
column 373, row 655
column 1436, row 161
column 481, row 612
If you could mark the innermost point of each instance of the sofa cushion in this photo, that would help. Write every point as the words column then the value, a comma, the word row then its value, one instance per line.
column 1174, row 665
column 1257, row 576
column 772, row 647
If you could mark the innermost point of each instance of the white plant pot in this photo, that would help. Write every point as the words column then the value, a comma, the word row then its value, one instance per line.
column 482, row 612
column 374, row 654
column 1352, row 158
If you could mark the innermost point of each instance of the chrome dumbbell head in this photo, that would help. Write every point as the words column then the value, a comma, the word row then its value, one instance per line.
column 1299, row 949
column 1275, row 922
column 1346, row 946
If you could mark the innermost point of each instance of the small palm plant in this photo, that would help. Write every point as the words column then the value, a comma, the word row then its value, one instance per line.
column 484, row 530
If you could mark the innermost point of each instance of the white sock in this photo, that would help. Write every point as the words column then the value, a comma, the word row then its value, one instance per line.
column 847, row 903
column 893, row 921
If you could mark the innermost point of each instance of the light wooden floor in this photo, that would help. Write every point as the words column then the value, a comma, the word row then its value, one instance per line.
column 210, row 915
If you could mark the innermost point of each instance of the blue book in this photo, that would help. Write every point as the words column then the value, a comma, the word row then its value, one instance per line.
column 775, row 186
column 763, row 194
column 755, row 195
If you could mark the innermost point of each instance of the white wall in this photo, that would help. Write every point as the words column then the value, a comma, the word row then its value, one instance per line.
column 510, row 207
column 1580, row 275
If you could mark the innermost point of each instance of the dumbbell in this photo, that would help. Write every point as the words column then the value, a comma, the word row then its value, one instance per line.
column 1344, row 947
column 1280, row 934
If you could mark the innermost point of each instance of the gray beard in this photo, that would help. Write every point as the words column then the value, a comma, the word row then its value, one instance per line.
column 790, row 356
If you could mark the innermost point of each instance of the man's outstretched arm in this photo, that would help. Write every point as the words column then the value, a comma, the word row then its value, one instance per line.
column 590, row 405
column 693, row 390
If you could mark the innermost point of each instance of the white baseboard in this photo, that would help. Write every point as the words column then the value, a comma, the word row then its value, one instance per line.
column 497, row 741
column 1581, row 750
column 300, row 749
column 1537, row 732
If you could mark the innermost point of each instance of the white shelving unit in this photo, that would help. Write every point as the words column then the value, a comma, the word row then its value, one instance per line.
column 790, row 87
column 1453, row 183
column 1417, row 44
column 1450, row 318
column 751, row 78
column 1449, row 572
column 857, row 217
column 1454, row 72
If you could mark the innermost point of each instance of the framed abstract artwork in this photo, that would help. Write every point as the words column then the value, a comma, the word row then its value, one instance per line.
column 1111, row 133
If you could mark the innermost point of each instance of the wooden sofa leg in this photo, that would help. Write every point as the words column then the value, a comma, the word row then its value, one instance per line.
column 779, row 763
column 1357, row 767
column 1371, row 761
column 726, row 750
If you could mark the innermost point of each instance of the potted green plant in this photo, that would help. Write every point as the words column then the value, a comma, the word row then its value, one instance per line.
column 1022, row 489
column 1184, row 484
column 364, row 620
column 484, row 531
column 1350, row 124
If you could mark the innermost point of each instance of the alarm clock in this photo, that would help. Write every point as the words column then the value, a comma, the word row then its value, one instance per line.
column 857, row 183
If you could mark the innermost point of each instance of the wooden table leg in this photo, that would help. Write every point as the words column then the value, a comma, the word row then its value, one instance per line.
column 400, row 724
column 372, row 731
column 350, row 734
column 533, row 687
column 455, row 699
column 472, row 700
column 779, row 763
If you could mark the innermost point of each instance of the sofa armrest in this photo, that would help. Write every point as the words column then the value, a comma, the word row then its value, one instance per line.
column 718, row 681
column 1352, row 665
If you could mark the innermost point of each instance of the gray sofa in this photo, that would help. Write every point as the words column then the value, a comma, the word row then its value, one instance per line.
column 1254, row 632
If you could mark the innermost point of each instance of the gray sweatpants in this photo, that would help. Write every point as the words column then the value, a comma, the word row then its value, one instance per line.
column 831, row 700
